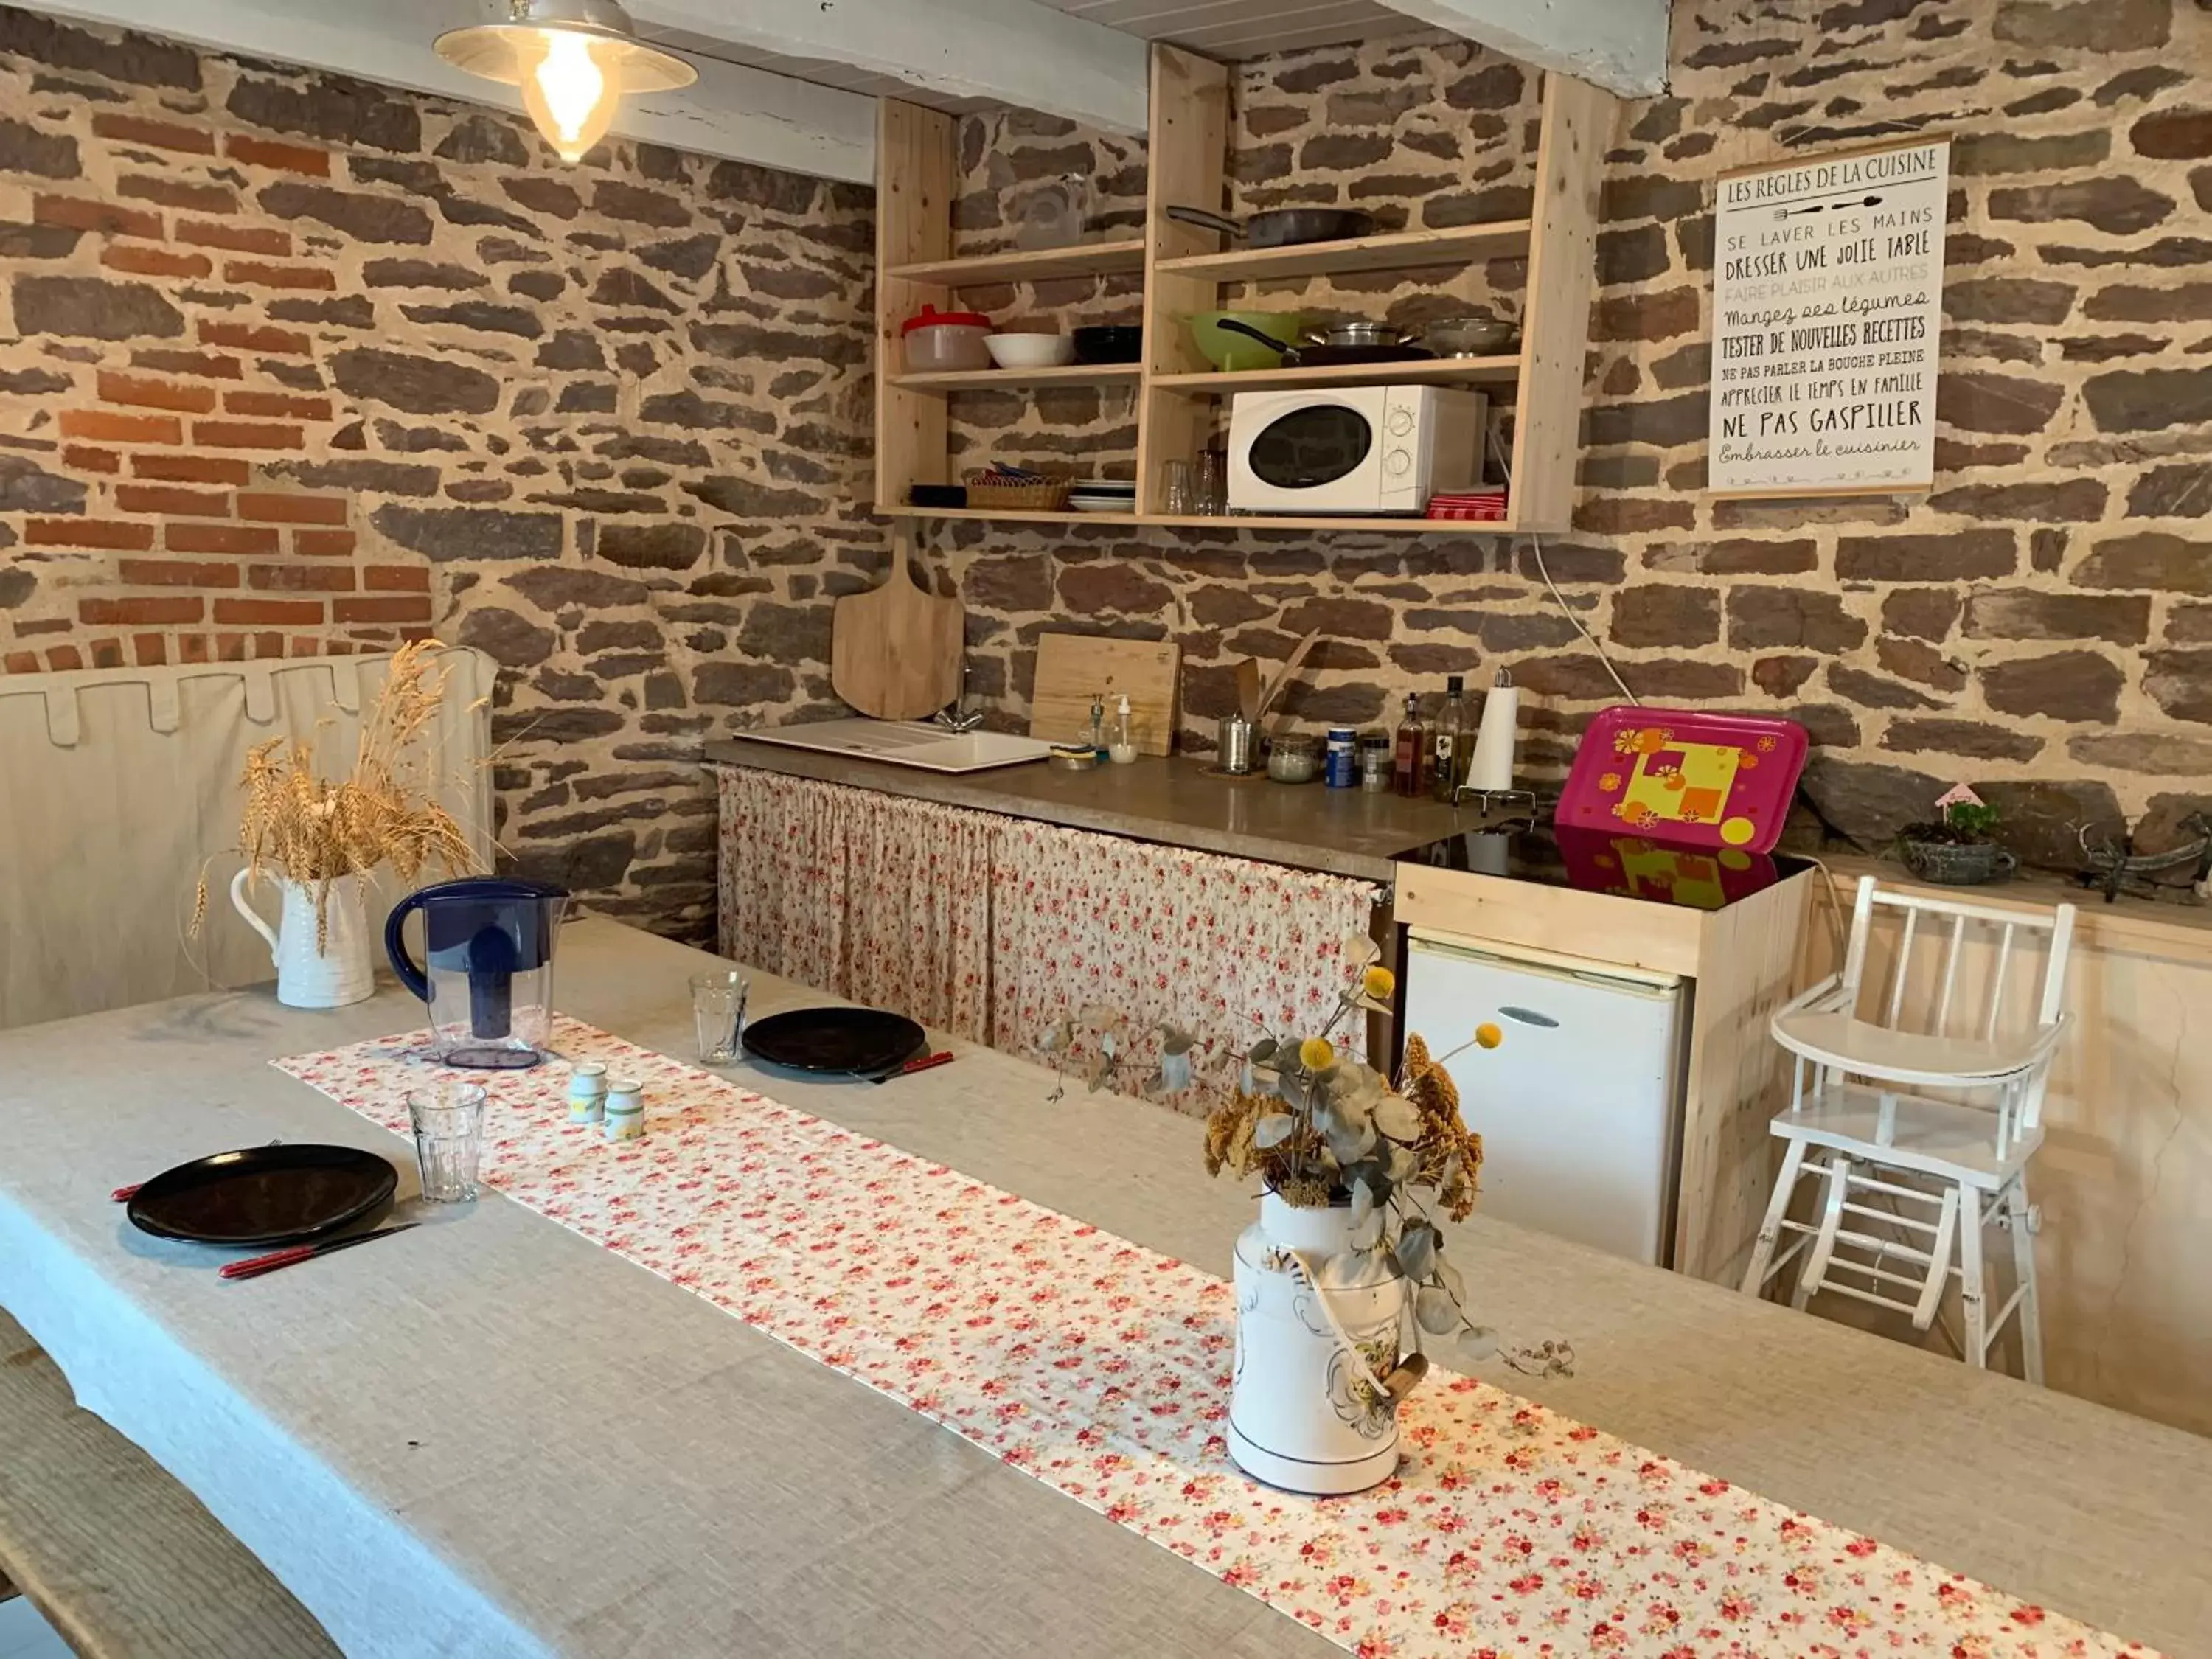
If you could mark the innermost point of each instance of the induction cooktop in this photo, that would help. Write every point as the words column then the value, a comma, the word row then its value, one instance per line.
column 1597, row 861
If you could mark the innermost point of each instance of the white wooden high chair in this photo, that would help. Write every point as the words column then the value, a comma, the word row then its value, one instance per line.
column 1928, row 1105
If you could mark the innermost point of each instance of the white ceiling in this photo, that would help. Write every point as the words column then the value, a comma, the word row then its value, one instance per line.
column 792, row 83
column 1236, row 29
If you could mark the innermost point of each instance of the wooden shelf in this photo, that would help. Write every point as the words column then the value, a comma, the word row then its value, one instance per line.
column 1404, row 251
column 1070, row 516
column 1175, row 394
column 1400, row 526
column 1027, row 264
column 1444, row 371
column 984, row 380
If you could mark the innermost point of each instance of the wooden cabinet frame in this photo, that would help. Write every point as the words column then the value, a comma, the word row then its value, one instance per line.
column 1188, row 156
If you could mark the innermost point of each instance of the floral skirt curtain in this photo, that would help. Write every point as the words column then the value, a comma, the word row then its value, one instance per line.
column 882, row 900
column 998, row 929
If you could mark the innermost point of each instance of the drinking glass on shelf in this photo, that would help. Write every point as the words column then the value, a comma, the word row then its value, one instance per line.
column 448, row 1121
column 1176, row 495
column 1212, row 489
column 717, row 1009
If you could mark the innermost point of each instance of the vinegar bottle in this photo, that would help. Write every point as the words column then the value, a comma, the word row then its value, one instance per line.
column 1409, row 771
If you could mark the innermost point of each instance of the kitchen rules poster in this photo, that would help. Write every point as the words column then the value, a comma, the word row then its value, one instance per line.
column 1828, row 309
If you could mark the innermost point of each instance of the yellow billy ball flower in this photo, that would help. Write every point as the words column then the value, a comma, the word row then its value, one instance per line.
column 1379, row 983
column 1316, row 1054
column 1487, row 1035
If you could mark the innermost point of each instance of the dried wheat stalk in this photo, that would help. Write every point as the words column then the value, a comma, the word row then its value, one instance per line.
column 311, row 830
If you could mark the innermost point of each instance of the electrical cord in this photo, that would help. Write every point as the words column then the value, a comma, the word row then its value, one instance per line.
column 1536, row 547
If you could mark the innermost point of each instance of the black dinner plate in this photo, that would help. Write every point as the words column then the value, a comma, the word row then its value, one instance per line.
column 837, row 1039
column 265, row 1195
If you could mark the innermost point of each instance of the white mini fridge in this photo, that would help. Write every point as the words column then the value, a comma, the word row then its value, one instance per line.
column 1580, row 1108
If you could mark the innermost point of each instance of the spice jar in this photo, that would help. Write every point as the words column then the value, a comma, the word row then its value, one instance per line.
column 1375, row 761
column 1294, row 758
column 625, row 1109
column 588, row 1091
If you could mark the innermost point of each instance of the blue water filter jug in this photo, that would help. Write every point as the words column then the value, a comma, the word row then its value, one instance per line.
column 487, row 972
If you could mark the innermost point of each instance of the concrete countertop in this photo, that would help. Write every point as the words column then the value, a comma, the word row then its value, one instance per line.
column 1175, row 801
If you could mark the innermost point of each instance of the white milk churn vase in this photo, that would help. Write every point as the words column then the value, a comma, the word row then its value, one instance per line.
column 1322, row 1318
column 309, row 975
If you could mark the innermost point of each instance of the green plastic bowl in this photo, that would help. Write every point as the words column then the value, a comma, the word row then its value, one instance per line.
column 1229, row 351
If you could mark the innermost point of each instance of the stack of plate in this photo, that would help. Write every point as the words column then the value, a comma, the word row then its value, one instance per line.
column 1103, row 495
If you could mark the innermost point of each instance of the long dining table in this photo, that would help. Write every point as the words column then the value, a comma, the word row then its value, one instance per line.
column 494, row 1436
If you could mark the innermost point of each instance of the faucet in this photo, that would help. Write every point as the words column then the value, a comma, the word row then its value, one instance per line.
column 955, row 716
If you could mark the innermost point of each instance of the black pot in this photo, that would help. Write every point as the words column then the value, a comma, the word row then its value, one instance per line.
column 1109, row 344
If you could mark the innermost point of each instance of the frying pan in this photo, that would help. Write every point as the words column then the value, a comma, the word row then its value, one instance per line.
column 1283, row 226
column 1326, row 356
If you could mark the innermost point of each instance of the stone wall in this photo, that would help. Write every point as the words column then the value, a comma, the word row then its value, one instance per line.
column 2038, row 625
column 292, row 365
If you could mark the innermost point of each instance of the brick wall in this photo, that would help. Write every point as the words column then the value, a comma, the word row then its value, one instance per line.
column 292, row 365
column 2039, row 624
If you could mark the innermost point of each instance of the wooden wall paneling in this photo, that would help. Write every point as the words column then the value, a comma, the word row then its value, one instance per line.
column 916, row 182
column 1188, row 155
column 1578, row 122
column 1747, row 968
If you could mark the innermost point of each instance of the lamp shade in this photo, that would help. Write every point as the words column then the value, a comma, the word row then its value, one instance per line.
column 572, row 61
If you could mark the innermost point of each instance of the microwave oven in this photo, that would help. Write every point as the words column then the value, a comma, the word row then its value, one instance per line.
column 1367, row 449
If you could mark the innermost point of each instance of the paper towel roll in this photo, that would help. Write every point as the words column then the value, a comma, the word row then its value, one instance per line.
column 1492, row 765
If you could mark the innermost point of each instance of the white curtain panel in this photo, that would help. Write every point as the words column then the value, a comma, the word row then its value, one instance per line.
column 997, row 928
column 118, row 786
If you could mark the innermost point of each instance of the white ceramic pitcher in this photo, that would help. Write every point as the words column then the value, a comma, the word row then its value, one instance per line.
column 332, row 976
column 1320, row 1318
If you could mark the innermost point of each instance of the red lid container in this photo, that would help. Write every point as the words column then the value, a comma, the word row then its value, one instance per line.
column 930, row 316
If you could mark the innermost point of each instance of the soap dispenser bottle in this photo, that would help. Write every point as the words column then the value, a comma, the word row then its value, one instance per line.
column 1123, row 748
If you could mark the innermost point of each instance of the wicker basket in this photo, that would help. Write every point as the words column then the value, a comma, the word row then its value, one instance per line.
column 990, row 496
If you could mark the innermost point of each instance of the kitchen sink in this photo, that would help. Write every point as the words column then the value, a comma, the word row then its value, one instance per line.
column 908, row 742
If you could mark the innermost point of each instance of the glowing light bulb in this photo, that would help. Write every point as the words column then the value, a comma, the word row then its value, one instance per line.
column 568, row 93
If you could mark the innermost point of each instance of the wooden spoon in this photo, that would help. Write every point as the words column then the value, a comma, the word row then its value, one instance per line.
column 1283, row 675
column 1247, row 689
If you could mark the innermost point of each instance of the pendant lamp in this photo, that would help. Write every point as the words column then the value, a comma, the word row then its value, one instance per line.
column 573, row 60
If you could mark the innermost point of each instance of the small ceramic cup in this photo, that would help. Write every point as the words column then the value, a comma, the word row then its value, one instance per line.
column 588, row 1093
column 624, row 1113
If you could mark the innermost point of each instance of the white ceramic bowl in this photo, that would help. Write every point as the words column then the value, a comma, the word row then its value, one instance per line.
column 1030, row 350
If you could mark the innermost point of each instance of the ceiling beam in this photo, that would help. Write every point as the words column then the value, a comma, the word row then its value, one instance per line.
column 734, row 111
column 1618, row 45
column 1000, row 52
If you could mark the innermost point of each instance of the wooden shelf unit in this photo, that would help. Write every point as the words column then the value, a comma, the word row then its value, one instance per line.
column 1028, row 265
column 1185, row 271
column 987, row 379
column 1410, row 250
column 1443, row 371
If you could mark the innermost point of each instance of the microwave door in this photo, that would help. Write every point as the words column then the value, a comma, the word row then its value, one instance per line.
column 1297, row 452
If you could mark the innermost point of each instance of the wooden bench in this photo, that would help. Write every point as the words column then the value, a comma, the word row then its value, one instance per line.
column 121, row 1561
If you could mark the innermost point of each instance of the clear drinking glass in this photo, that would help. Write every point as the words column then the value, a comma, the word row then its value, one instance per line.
column 718, row 1008
column 448, row 1119
column 1211, row 493
column 1176, row 496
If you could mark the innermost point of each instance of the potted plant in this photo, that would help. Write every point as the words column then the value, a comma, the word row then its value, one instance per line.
column 1957, row 847
column 1345, row 1269
column 316, row 837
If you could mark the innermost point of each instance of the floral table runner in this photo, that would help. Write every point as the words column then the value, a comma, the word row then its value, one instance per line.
column 1101, row 1369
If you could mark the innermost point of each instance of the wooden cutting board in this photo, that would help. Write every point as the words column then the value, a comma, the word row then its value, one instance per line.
column 895, row 651
column 1073, row 668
